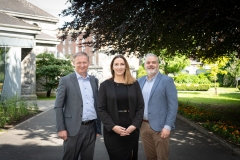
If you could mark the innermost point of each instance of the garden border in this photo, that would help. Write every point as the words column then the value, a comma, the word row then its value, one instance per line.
column 210, row 134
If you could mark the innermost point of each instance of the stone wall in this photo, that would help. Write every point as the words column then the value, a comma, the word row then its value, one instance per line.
column 28, row 76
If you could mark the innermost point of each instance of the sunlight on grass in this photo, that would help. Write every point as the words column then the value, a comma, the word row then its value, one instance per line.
column 224, row 98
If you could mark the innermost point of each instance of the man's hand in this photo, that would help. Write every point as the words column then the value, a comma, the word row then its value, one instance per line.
column 120, row 130
column 97, row 135
column 63, row 134
column 165, row 133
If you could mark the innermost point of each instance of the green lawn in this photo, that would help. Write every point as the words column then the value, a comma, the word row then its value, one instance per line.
column 226, row 97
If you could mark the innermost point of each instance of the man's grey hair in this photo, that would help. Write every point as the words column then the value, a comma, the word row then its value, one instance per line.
column 151, row 55
column 80, row 54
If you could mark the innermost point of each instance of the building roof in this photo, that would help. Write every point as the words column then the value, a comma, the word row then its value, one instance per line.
column 24, row 8
column 45, row 36
column 6, row 20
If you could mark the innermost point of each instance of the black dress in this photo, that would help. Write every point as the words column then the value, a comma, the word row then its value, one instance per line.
column 122, row 147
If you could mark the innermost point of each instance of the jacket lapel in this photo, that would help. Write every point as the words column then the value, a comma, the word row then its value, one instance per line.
column 156, row 82
column 75, row 83
column 92, row 82
column 142, row 82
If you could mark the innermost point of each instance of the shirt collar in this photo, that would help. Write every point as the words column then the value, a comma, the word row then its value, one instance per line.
column 79, row 76
column 153, row 78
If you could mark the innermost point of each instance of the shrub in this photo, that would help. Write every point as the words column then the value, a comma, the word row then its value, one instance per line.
column 14, row 109
column 213, row 84
column 192, row 87
column 187, row 78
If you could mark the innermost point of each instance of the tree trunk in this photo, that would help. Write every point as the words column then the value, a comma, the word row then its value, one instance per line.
column 236, row 82
column 215, row 87
column 48, row 93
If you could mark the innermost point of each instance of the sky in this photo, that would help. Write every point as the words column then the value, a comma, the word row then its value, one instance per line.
column 54, row 7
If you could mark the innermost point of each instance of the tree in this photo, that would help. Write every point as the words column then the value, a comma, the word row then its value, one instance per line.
column 216, row 68
column 196, row 28
column 173, row 64
column 234, row 69
column 50, row 69
column 141, row 71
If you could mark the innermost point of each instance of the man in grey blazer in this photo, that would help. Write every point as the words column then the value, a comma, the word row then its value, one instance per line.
column 76, row 111
column 161, row 105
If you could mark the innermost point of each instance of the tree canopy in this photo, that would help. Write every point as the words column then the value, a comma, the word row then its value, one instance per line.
column 195, row 28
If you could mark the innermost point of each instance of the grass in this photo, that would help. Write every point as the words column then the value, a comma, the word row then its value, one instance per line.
column 46, row 98
column 225, row 97
column 218, row 113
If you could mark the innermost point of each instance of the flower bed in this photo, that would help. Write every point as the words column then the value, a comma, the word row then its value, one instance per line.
column 211, row 121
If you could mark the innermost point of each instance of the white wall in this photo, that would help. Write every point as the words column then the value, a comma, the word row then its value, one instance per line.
column 49, row 28
column 12, row 81
column 41, row 49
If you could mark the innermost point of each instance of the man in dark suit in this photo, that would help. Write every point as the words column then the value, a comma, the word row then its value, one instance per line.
column 160, row 110
column 75, row 108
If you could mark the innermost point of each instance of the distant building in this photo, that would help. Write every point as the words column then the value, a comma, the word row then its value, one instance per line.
column 25, row 31
column 194, row 66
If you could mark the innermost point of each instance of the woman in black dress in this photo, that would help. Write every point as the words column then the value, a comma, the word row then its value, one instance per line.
column 120, row 107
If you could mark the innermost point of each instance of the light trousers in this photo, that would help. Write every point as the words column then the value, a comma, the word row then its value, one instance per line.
column 155, row 147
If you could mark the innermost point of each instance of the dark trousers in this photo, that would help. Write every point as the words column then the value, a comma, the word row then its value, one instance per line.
column 82, row 145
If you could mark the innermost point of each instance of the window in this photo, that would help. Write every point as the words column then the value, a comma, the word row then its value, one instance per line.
column 76, row 48
column 94, row 38
column 64, row 52
column 83, row 47
column 93, row 59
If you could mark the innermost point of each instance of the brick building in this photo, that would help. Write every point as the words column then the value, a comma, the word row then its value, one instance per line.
column 68, row 47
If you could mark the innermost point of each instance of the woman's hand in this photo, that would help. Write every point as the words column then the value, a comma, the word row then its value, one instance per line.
column 120, row 130
column 130, row 129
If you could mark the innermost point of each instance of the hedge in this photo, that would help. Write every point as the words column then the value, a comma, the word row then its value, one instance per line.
column 192, row 87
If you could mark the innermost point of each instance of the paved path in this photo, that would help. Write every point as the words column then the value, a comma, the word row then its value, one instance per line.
column 35, row 139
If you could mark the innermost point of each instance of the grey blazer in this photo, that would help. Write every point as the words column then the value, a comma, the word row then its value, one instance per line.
column 163, row 102
column 69, row 104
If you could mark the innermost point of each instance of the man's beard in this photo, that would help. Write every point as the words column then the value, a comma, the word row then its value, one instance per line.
column 151, row 72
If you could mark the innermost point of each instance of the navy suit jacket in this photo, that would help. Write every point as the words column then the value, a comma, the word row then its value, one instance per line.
column 163, row 102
